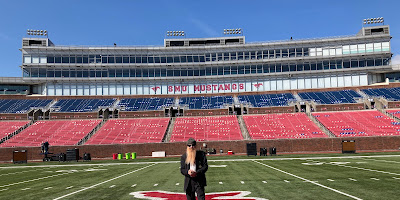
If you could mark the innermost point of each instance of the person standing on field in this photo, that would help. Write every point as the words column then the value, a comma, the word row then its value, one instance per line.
column 194, row 166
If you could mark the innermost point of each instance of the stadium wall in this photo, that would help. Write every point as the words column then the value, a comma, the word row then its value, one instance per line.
column 316, row 145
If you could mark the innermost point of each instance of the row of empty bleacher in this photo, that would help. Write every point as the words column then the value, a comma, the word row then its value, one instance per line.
column 121, row 131
column 216, row 128
column 212, row 128
column 140, row 104
column 280, row 126
column 392, row 94
column 331, row 97
column 82, row 105
column 359, row 123
column 267, row 100
column 212, row 102
column 20, row 105
column 57, row 133
column 200, row 102
column 9, row 127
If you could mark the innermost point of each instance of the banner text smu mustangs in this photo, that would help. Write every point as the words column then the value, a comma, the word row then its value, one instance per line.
column 209, row 87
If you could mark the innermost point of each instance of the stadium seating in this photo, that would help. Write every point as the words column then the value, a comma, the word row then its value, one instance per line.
column 395, row 112
column 128, row 131
column 8, row 127
column 214, row 102
column 81, row 105
column 20, row 105
column 206, row 129
column 57, row 133
column 279, row 126
column 359, row 123
column 392, row 94
column 140, row 104
column 331, row 97
column 266, row 100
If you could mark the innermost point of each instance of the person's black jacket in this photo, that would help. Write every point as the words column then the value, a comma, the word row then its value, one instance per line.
column 201, row 169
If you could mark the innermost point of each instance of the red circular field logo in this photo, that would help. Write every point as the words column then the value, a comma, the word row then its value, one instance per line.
column 163, row 195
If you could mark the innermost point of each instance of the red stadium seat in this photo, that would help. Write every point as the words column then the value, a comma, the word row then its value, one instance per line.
column 279, row 126
column 57, row 133
column 359, row 123
column 128, row 131
column 206, row 129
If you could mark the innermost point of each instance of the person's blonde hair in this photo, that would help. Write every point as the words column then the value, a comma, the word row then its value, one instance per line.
column 190, row 155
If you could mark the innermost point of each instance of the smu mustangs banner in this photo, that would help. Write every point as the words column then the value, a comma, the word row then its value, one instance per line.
column 205, row 88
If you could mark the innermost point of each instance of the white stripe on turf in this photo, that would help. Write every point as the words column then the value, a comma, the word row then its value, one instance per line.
column 312, row 182
column 365, row 169
column 103, row 182
column 36, row 179
column 169, row 162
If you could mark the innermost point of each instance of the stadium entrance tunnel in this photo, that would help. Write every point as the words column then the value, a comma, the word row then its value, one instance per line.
column 38, row 114
column 173, row 112
column 106, row 113
column 236, row 110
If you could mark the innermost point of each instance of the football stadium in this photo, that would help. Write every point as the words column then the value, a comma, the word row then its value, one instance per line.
column 291, row 119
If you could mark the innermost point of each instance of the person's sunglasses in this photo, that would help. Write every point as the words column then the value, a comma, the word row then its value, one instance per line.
column 190, row 145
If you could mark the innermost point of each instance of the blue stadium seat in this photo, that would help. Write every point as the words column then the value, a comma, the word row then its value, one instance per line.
column 82, row 105
column 20, row 105
column 392, row 94
column 141, row 104
column 214, row 102
column 331, row 97
column 267, row 100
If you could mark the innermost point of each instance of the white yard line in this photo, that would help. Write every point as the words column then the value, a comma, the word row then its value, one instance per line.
column 36, row 179
column 366, row 169
column 388, row 161
column 12, row 173
column 103, row 182
column 169, row 162
column 312, row 182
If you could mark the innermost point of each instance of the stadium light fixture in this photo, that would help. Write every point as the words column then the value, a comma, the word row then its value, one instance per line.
column 236, row 31
column 175, row 33
column 37, row 32
column 378, row 20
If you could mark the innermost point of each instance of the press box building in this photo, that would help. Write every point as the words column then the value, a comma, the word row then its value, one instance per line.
column 206, row 65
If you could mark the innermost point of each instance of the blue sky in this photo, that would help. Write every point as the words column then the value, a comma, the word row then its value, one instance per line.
column 138, row 23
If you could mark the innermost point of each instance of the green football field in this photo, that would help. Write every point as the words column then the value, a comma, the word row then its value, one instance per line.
column 358, row 176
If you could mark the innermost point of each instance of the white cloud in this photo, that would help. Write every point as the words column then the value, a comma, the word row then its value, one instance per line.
column 396, row 59
column 205, row 27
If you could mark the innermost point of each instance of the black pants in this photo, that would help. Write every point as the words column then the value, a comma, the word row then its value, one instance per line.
column 195, row 187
